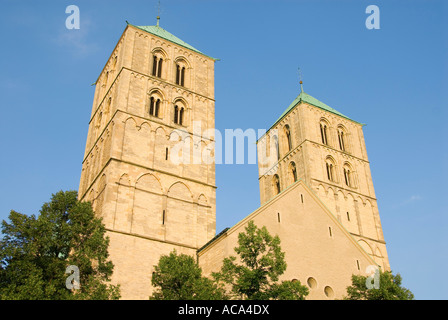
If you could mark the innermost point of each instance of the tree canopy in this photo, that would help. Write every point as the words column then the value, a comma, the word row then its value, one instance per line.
column 35, row 252
column 178, row 277
column 255, row 275
column 388, row 288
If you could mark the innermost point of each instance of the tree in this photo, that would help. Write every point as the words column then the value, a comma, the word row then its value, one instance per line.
column 178, row 277
column 389, row 288
column 36, row 251
column 261, row 263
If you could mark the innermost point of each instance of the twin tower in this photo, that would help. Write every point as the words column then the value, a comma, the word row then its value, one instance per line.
column 317, row 194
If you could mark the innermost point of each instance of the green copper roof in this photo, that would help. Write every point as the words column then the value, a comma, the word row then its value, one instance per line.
column 303, row 97
column 162, row 33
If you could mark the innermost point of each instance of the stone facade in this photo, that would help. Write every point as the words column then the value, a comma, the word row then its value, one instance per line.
column 149, row 205
column 149, row 97
column 319, row 252
column 348, row 192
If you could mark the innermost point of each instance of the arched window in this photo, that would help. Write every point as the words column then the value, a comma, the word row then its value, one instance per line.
column 180, row 74
column 276, row 184
column 293, row 171
column 154, row 65
column 178, row 115
column 157, row 63
column 288, row 137
column 154, row 106
column 181, row 116
column 330, row 167
column 342, row 138
column 159, row 68
column 348, row 176
column 324, row 132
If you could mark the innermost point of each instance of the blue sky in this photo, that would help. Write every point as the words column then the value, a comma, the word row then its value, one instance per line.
column 393, row 79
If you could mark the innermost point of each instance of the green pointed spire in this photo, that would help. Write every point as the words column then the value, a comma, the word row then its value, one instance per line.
column 303, row 97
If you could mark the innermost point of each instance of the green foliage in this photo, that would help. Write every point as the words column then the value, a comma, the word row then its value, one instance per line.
column 389, row 288
column 35, row 252
column 178, row 277
column 261, row 263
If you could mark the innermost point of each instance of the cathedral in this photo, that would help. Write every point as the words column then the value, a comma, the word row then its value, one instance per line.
column 316, row 191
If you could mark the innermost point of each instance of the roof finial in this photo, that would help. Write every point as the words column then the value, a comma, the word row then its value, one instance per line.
column 301, row 82
column 158, row 13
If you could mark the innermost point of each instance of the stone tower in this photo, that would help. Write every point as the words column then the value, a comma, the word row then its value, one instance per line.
column 152, row 92
column 325, row 149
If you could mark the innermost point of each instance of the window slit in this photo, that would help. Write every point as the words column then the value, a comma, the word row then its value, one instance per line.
column 182, row 77
column 159, row 71
column 154, row 66
column 176, row 116
column 151, row 106
column 181, row 116
column 177, row 74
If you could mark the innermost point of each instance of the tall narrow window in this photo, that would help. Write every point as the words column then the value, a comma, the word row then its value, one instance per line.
column 177, row 74
column 330, row 169
column 348, row 175
column 288, row 137
column 159, row 68
column 180, row 73
column 166, row 153
column 182, row 81
column 181, row 116
column 154, row 107
column 156, row 112
column 154, row 65
column 278, row 216
column 323, row 133
column 293, row 172
column 341, row 140
column 348, row 216
column 151, row 106
column 329, row 230
column 276, row 184
column 176, row 114
column 163, row 217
